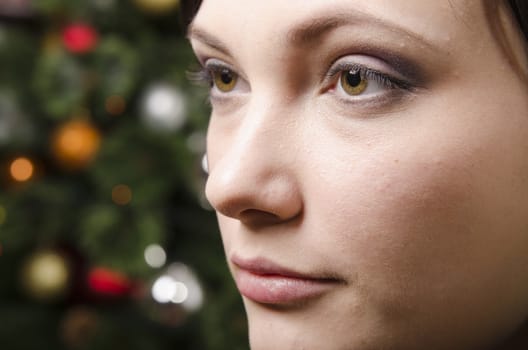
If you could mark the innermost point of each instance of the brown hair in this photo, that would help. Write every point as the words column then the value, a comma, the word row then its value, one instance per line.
column 520, row 11
column 189, row 8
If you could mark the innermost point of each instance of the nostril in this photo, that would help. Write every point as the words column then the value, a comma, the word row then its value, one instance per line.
column 258, row 217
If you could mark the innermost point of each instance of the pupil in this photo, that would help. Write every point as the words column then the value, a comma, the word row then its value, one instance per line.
column 353, row 78
column 226, row 77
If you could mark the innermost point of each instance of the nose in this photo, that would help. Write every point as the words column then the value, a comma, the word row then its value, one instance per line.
column 252, row 170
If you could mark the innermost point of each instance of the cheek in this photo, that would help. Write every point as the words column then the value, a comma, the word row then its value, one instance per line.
column 438, row 210
column 229, row 228
column 395, row 211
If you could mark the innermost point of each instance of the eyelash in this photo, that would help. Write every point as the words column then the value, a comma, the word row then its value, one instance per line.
column 204, row 75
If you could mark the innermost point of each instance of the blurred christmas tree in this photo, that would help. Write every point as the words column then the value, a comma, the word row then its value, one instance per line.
column 105, row 240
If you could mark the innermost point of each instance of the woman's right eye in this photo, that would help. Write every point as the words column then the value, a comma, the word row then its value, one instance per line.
column 224, row 79
column 220, row 78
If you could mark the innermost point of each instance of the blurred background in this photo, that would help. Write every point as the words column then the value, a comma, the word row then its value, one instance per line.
column 106, row 239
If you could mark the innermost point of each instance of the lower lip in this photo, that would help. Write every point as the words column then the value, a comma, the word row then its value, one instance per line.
column 278, row 289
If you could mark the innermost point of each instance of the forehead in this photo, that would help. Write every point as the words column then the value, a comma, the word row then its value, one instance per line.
column 437, row 21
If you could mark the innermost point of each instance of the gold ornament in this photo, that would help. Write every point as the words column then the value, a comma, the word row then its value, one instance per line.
column 45, row 276
column 75, row 144
column 157, row 7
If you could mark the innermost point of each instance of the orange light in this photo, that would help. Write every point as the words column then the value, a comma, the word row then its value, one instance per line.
column 21, row 169
column 115, row 105
column 76, row 143
column 121, row 194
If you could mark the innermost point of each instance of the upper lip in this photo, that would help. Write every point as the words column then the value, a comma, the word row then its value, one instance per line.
column 265, row 267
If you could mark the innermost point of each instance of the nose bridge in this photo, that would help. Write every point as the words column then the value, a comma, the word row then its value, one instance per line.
column 264, row 131
column 259, row 144
column 255, row 170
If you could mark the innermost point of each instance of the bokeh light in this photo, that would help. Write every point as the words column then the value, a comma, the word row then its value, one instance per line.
column 179, row 285
column 21, row 169
column 104, row 281
column 155, row 256
column 121, row 194
column 45, row 275
column 115, row 105
column 164, row 289
column 205, row 164
column 76, row 143
column 79, row 37
column 164, row 107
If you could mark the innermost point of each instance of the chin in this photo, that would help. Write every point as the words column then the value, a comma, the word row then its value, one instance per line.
column 330, row 324
column 311, row 326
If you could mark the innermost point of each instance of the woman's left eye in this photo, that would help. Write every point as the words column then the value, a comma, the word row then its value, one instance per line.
column 361, row 82
column 352, row 81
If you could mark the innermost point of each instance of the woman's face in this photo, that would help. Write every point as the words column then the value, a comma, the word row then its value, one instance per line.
column 368, row 162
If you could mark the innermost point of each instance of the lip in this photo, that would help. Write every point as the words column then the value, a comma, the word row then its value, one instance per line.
column 266, row 282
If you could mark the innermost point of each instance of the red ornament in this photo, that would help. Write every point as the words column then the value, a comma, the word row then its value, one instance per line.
column 106, row 282
column 79, row 38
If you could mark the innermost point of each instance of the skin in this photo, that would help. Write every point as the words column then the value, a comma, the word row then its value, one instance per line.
column 417, row 200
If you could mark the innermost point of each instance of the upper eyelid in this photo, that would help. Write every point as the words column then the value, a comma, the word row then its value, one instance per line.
column 215, row 64
column 351, row 62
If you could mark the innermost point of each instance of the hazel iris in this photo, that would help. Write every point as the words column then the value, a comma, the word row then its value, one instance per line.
column 353, row 83
column 225, row 80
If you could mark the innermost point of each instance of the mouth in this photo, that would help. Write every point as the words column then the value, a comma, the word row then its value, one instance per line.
column 266, row 282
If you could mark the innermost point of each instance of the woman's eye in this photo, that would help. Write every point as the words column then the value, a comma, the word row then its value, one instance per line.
column 224, row 79
column 353, row 83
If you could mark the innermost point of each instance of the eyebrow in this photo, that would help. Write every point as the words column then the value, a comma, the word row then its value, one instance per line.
column 195, row 33
column 312, row 30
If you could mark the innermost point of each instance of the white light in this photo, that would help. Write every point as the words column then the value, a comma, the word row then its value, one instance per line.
column 164, row 289
column 181, row 293
column 164, row 107
column 194, row 295
column 155, row 256
column 205, row 164
column 195, row 299
column 179, row 286
column 160, row 102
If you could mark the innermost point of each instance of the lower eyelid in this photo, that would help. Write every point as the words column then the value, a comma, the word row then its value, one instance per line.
column 388, row 102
